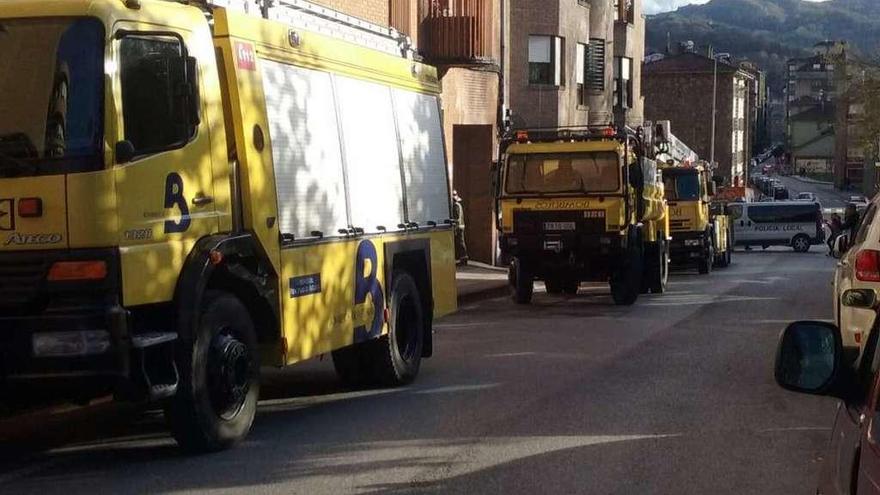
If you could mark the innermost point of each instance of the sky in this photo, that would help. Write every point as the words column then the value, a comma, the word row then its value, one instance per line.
column 657, row 6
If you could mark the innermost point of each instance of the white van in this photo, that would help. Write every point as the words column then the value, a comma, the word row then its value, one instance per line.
column 781, row 223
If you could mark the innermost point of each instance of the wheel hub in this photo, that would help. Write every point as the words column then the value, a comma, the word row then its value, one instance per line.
column 229, row 373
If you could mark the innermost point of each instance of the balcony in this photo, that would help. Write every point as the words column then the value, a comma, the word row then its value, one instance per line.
column 457, row 31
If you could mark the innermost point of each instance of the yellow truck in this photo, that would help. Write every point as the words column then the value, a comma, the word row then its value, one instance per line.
column 188, row 193
column 701, row 235
column 582, row 204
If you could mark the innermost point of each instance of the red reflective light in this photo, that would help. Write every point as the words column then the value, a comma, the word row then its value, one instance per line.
column 30, row 207
column 609, row 132
column 868, row 265
column 64, row 271
column 522, row 136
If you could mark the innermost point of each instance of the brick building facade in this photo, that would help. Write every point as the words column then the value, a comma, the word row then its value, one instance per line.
column 575, row 62
column 375, row 11
column 679, row 89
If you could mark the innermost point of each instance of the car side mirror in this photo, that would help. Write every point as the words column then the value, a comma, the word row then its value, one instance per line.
column 859, row 298
column 809, row 357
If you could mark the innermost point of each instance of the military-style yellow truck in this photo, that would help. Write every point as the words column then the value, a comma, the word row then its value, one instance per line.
column 188, row 193
column 582, row 204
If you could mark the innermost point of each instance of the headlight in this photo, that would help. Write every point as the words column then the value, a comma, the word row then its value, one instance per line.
column 692, row 242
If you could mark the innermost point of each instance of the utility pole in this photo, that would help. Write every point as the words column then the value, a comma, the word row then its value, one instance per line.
column 714, row 101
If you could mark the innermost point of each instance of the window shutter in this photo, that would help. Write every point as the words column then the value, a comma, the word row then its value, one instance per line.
column 596, row 62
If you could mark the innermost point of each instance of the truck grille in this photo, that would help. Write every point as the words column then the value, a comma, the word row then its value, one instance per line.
column 559, row 222
column 680, row 224
column 21, row 280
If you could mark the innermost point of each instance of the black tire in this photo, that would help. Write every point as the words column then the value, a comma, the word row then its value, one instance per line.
column 393, row 359
column 554, row 286
column 398, row 355
column 656, row 272
column 521, row 281
column 626, row 282
column 800, row 243
column 704, row 265
column 219, row 370
column 570, row 287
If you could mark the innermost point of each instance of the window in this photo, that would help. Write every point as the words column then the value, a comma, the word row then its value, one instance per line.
column 683, row 187
column 735, row 211
column 581, row 72
column 58, row 62
column 784, row 213
column 595, row 72
column 545, row 60
column 556, row 173
column 622, row 82
column 151, row 105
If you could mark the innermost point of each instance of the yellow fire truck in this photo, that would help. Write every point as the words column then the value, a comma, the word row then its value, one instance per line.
column 189, row 192
column 582, row 204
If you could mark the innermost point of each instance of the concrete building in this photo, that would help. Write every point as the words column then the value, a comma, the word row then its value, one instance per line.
column 574, row 62
column 810, row 113
column 679, row 88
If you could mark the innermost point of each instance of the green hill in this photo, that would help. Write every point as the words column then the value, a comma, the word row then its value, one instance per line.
column 769, row 32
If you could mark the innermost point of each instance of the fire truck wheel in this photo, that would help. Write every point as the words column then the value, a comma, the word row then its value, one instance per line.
column 219, row 378
column 521, row 282
column 626, row 282
column 396, row 357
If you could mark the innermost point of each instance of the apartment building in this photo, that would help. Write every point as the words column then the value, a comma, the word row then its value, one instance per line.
column 680, row 88
column 810, row 113
column 574, row 62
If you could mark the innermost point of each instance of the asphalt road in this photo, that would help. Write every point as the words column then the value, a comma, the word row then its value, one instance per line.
column 830, row 197
column 569, row 395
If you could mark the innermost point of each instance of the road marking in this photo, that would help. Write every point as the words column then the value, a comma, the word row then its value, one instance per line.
column 510, row 354
column 457, row 388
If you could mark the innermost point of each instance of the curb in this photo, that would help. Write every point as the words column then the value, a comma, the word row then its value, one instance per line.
column 482, row 295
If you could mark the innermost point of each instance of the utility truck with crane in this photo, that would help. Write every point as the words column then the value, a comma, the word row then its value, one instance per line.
column 701, row 234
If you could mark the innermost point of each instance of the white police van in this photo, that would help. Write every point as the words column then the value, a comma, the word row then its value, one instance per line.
column 780, row 223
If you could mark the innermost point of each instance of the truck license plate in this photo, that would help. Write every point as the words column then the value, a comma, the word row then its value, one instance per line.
column 558, row 225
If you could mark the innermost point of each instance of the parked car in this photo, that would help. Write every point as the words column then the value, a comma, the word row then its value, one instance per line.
column 780, row 193
column 859, row 200
column 811, row 359
column 807, row 196
column 859, row 268
column 779, row 223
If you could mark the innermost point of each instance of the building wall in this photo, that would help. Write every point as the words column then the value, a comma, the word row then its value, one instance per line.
column 376, row 11
column 685, row 99
column 601, row 103
column 629, row 41
column 546, row 105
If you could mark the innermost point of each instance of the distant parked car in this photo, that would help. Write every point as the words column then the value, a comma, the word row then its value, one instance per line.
column 780, row 193
column 861, row 202
column 807, row 196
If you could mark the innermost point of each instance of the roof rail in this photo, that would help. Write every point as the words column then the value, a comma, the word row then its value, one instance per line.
column 303, row 14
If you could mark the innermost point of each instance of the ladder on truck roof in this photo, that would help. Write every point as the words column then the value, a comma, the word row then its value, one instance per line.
column 302, row 14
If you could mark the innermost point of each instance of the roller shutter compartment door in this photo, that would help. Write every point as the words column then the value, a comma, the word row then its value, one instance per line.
column 424, row 161
column 306, row 151
column 372, row 157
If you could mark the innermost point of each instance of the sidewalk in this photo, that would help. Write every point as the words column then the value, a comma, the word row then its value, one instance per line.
column 478, row 281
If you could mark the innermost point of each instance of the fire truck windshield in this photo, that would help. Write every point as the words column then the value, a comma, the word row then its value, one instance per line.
column 51, row 96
